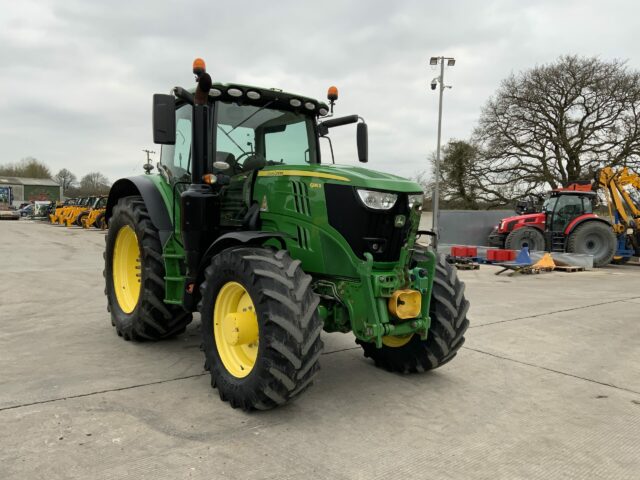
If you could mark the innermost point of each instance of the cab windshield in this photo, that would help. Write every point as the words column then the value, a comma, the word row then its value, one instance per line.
column 549, row 204
column 250, row 137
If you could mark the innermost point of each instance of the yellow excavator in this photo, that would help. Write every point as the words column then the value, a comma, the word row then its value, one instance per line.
column 621, row 189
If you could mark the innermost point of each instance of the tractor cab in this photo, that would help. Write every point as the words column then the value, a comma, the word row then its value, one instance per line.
column 563, row 206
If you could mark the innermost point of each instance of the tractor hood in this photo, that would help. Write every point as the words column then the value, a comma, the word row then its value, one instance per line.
column 347, row 175
column 523, row 218
column 530, row 219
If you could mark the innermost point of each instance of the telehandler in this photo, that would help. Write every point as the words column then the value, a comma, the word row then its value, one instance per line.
column 75, row 215
column 246, row 225
column 61, row 210
column 94, row 217
column 71, row 209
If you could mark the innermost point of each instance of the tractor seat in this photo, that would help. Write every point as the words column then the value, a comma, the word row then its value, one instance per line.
column 569, row 210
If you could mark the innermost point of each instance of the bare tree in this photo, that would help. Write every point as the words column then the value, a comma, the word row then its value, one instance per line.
column 558, row 123
column 65, row 178
column 28, row 167
column 94, row 183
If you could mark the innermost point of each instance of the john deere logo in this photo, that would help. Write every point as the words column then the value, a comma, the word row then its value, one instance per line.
column 399, row 221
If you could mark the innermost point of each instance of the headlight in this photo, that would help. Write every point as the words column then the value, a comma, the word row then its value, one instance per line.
column 378, row 200
column 416, row 200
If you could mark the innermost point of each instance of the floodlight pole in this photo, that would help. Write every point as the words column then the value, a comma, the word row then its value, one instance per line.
column 436, row 186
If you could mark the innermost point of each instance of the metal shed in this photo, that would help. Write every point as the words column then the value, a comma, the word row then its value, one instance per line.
column 31, row 189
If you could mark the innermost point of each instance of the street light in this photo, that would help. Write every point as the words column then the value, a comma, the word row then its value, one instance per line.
column 436, row 189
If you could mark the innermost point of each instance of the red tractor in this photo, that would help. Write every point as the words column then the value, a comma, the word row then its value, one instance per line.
column 565, row 224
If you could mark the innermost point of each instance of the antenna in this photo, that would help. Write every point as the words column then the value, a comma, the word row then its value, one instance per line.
column 147, row 166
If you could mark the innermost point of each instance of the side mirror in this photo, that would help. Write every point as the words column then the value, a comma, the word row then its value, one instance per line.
column 362, row 139
column 164, row 119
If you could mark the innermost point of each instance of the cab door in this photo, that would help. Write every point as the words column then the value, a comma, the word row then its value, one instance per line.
column 175, row 160
column 566, row 208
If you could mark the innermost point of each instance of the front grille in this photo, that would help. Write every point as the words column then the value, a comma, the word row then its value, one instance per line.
column 363, row 228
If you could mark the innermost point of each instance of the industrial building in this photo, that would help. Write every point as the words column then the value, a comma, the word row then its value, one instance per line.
column 31, row 189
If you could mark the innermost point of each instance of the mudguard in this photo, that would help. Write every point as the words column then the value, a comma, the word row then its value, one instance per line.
column 585, row 218
column 153, row 200
column 242, row 237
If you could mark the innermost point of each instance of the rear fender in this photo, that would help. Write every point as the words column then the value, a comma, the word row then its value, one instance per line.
column 587, row 217
column 153, row 200
column 537, row 226
column 240, row 238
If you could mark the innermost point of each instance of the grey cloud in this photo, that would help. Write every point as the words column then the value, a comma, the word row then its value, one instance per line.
column 77, row 76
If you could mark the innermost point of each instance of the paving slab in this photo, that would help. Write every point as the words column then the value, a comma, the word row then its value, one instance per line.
column 504, row 298
column 482, row 418
column 599, row 343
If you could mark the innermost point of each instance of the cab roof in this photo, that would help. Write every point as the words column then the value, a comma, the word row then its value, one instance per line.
column 557, row 193
column 274, row 97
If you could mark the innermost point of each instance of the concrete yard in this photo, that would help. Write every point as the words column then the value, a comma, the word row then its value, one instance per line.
column 546, row 386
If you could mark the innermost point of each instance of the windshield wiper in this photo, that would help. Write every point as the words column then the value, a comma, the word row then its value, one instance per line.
column 252, row 115
column 229, row 137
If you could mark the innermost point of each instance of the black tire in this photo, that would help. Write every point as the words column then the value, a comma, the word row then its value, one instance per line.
column 99, row 222
column 594, row 238
column 152, row 319
column 80, row 217
column 495, row 239
column 449, row 322
column 525, row 236
column 289, row 327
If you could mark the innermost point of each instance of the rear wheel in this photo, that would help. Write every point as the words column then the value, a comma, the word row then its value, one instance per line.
column 134, row 275
column 525, row 237
column 448, row 312
column 260, row 327
column 594, row 238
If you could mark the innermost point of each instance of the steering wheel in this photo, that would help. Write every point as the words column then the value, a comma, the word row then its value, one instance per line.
column 243, row 155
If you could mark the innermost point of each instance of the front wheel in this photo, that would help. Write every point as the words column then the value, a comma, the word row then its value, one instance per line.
column 81, row 217
column 260, row 327
column 525, row 237
column 100, row 221
column 448, row 312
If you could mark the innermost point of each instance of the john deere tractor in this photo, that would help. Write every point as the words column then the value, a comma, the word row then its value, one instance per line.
column 246, row 225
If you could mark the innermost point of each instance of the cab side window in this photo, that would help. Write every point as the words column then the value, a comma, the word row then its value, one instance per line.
column 177, row 158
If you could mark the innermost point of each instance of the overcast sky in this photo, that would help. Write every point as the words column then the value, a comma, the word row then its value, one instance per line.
column 77, row 76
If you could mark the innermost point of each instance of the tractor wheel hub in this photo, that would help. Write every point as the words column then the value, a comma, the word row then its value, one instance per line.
column 240, row 328
column 235, row 329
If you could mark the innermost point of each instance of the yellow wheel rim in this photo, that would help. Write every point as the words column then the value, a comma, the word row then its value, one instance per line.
column 395, row 342
column 126, row 269
column 235, row 329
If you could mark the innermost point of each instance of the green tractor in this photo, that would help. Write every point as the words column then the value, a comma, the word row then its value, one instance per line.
column 245, row 225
